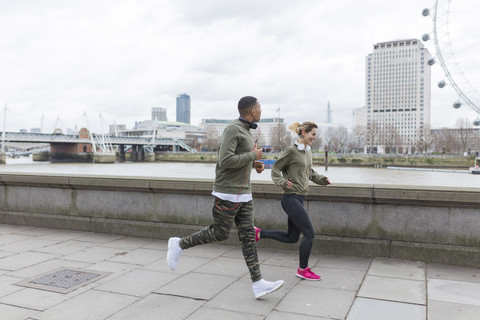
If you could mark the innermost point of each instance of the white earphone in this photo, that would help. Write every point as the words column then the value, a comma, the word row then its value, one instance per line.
column 301, row 146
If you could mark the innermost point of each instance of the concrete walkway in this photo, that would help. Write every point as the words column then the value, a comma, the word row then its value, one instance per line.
column 212, row 282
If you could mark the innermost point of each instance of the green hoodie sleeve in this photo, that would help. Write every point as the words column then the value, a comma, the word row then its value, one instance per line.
column 228, row 145
column 318, row 178
column 278, row 166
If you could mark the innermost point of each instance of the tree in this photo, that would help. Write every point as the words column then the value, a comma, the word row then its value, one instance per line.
column 280, row 137
column 330, row 138
column 359, row 136
column 212, row 139
column 391, row 139
column 464, row 131
column 341, row 138
column 373, row 133
column 425, row 138
column 317, row 143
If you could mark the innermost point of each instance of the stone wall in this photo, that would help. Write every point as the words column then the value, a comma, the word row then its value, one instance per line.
column 419, row 223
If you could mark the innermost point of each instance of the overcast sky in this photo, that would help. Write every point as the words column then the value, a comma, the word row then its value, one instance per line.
column 120, row 58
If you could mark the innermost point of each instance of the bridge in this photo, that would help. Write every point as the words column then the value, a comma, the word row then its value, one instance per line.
column 44, row 138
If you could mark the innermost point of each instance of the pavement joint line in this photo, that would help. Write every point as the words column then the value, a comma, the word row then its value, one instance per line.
column 179, row 296
column 395, row 301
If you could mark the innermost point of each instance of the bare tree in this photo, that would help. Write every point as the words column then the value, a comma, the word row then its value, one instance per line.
column 391, row 138
column 446, row 141
column 280, row 137
column 359, row 136
column 212, row 139
column 373, row 134
column 341, row 138
column 425, row 138
column 330, row 138
column 464, row 131
column 317, row 143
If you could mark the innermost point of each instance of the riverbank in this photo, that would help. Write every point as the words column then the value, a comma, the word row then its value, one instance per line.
column 357, row 160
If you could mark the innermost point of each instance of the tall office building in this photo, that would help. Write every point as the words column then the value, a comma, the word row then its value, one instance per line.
column 397, row 95
column 183, row 108
column 159, row 114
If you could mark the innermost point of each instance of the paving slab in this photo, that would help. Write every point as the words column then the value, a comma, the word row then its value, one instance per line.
column 92, row 304
column 26, row 245
column 413, row 270
column 65, row 247
column 205, row 313
column 208, row 251
column 341, row 279
column 447, row 272
column 99, row 238
column 115, row 268
column 187, row 265
column 324, row 302
column 15, row 313
column 344, row 262
column 24, row 259
column 94, row 254
column 63, row 235
column 284, row 258
column 277, row 315
column 238, row 297
column 393, row 289
column 138, row 283
column 263, row 254
column 34, row 299
column 197, row 285
column 12, row 238
column 225, row 266
column 7, row 285
column 138, row 256
column 371, row 309
column 129, row 243
column 454, row 291
column 46, row 266
column 440, row 310
column 157, row 306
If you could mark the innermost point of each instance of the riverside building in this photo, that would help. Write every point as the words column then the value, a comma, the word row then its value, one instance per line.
column 397, row 95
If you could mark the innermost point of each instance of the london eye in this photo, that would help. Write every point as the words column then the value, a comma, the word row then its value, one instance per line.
column 455, row 24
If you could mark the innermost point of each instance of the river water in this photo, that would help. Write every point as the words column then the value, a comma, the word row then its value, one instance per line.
column 207, row 171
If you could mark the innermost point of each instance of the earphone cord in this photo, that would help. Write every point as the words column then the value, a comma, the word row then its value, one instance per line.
column 246, row 175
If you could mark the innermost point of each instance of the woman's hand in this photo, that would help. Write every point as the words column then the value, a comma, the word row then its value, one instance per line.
column 289, row 183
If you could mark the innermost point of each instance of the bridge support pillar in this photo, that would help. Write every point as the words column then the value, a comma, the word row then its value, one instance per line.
column 3, row 157
column 149, row 157
column 121, row 153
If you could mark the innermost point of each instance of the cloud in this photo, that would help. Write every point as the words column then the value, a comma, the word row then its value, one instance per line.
column 121, row 58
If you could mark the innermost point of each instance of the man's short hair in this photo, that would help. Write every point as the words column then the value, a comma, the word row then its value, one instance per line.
column 246, row 104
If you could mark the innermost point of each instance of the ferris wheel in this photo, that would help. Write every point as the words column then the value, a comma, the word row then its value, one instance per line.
column 446, row 36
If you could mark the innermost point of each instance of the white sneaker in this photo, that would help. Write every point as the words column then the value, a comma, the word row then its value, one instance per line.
column 174, row 253
column 262, row 287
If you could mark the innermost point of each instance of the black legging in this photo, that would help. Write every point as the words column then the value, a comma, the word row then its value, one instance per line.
column 298, row 222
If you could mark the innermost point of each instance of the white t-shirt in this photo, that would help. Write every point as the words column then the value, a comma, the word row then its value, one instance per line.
column 243, row 197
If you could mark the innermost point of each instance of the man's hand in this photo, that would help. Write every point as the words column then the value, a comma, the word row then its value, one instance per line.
column 258, row 151
column 258, row 165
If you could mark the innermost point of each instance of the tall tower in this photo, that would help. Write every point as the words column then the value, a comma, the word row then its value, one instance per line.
column 183, row 108
column 329, row 113
column 397, row 95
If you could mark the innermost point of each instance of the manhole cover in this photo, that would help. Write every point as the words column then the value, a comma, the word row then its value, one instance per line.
column 63, row 280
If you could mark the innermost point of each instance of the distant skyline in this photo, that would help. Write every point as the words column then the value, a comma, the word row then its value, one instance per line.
column 121, row 58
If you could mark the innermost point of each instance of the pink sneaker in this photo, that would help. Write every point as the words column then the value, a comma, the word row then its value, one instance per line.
column 307, row 274
column 257, row 234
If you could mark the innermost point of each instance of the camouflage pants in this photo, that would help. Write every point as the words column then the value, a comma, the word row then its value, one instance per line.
column 225, row 213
